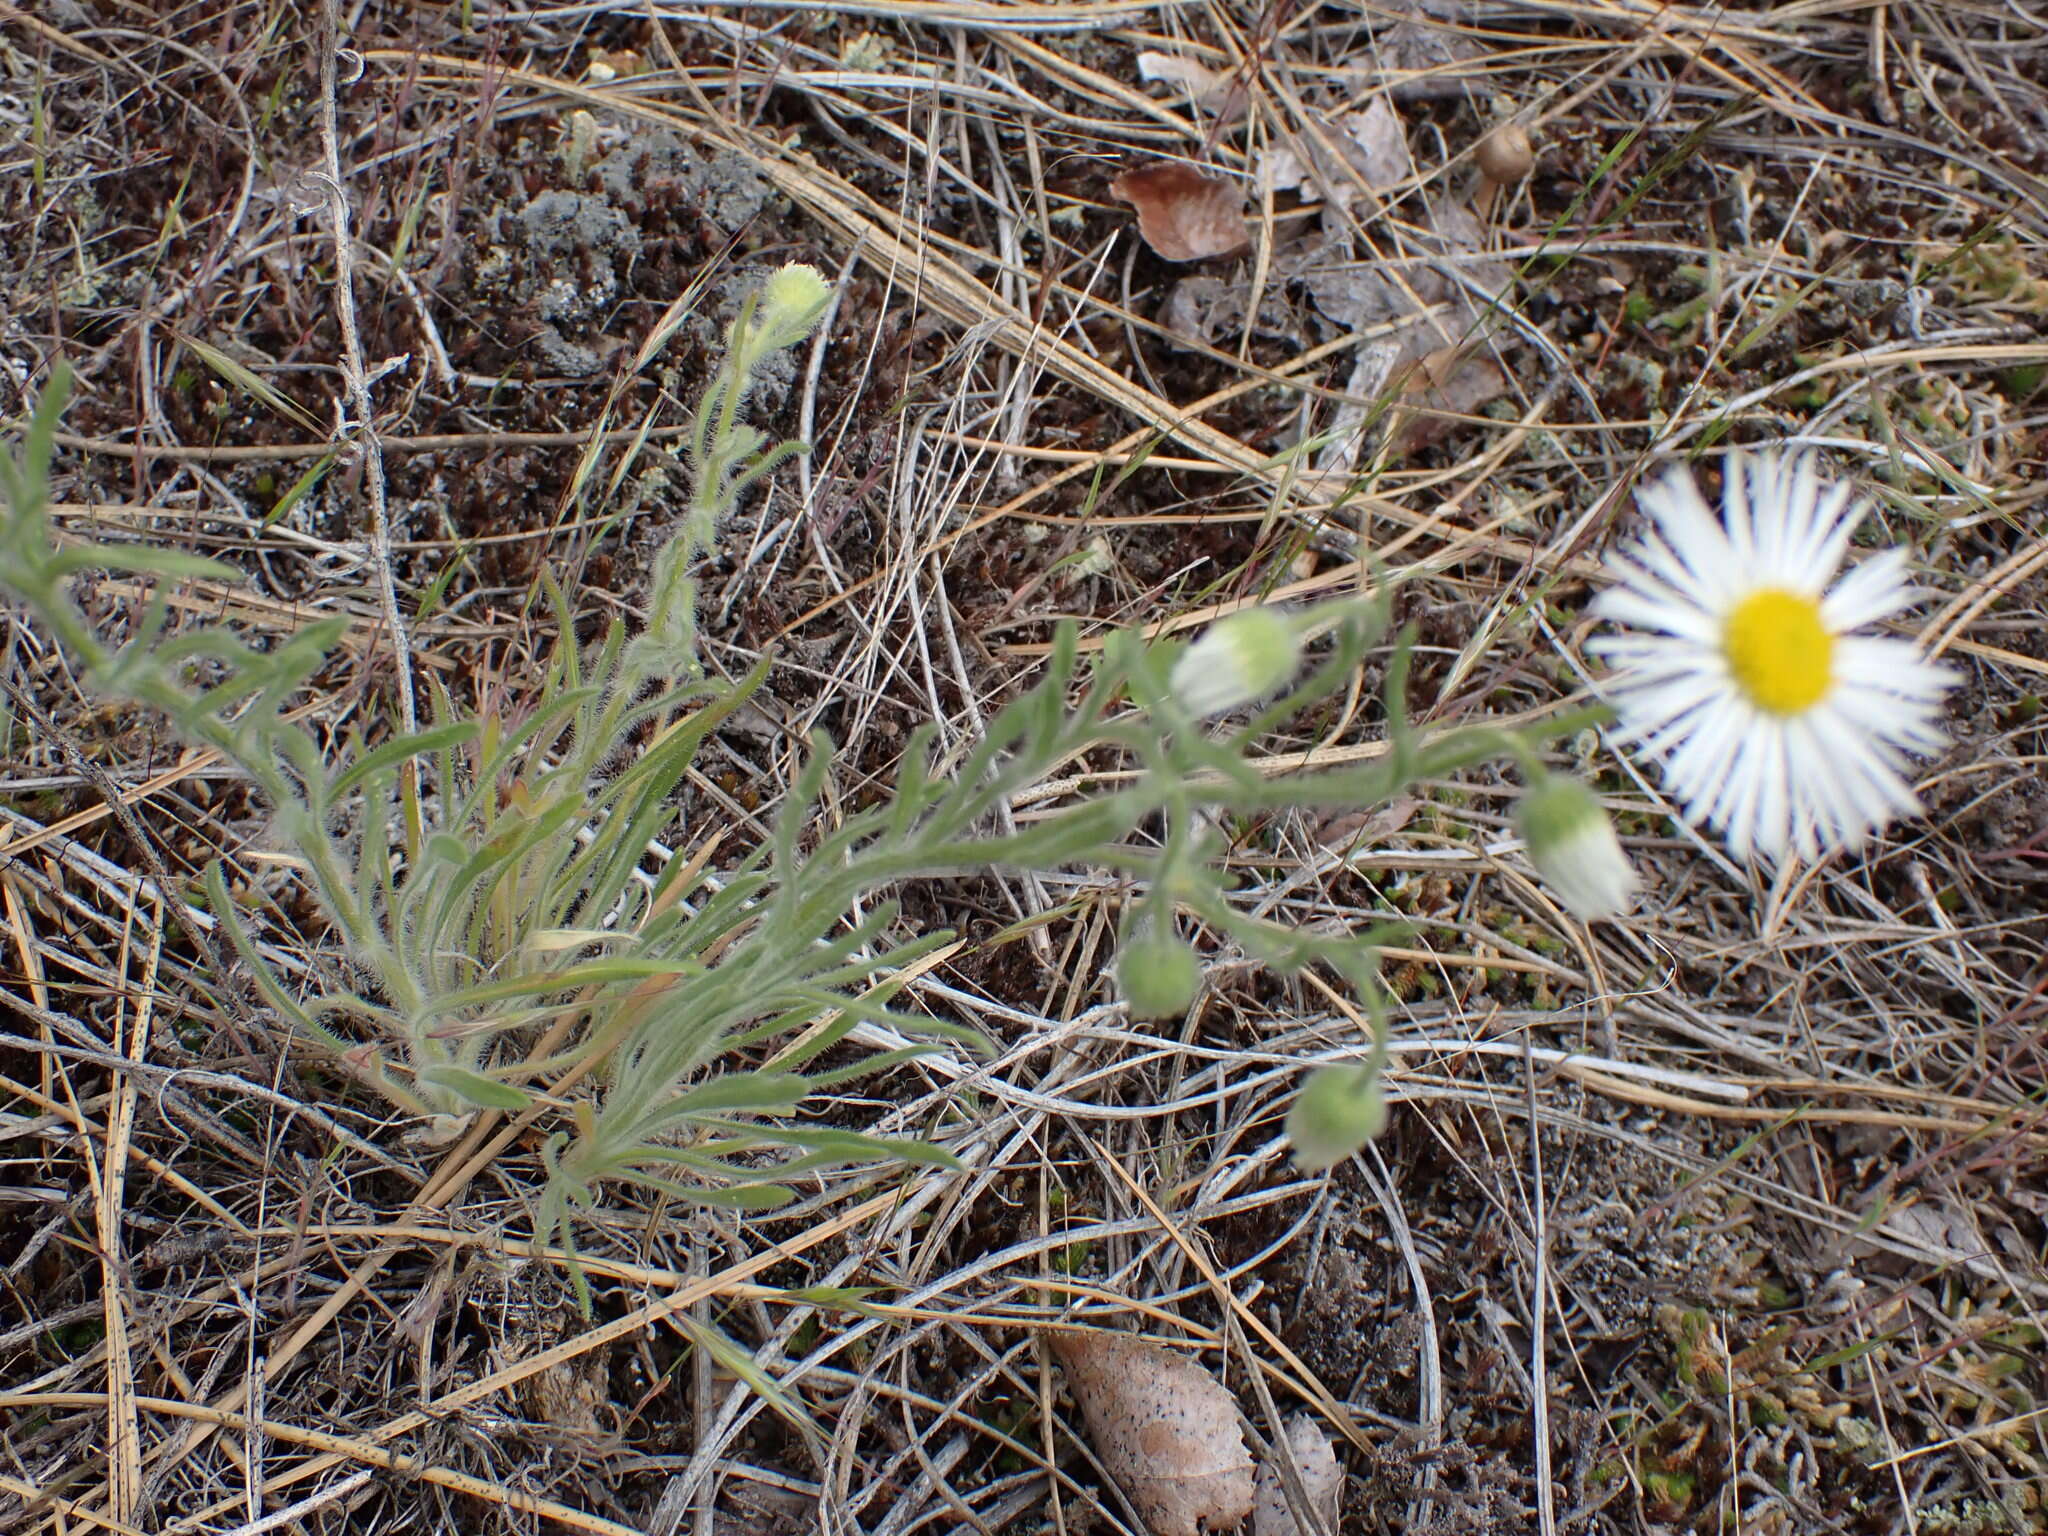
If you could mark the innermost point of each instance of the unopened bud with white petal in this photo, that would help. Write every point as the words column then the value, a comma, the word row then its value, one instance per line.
column 1241, row 659
column 1573, row 846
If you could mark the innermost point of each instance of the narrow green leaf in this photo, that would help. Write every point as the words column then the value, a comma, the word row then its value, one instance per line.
column 434, row 739
column 299, row 489
column 762, row 1093
column 474, row 1088
column 172, row 564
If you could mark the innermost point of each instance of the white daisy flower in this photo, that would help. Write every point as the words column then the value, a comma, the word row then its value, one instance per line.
column 1743, row 675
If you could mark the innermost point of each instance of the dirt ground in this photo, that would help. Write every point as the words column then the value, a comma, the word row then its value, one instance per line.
column 1730, row 1217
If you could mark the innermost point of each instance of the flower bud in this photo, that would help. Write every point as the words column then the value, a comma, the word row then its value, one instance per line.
column 1245, row 657
column 1157, row 972
column 1338, row 1110
column 789, row 308
column 1573, row 846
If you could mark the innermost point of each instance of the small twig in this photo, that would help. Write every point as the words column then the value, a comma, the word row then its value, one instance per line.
column 117, row 804
column 174, row 1078
column 1539, row 1239
column 352, row 371
column 293, row 1513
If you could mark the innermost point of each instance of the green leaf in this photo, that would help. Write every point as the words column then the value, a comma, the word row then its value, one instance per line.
column 300, row 489
column 267, row 983
column 829, row 1146
column 1847, row 1354
column 761, row 1093
column 742, row 1365
column 868, row 1066
column 547, row 983
column 842, row 1298
column 474, row 1088
column 173, row 564
column 437, row 738
column 42, row 432
column 446, row 848
column 733, row 1197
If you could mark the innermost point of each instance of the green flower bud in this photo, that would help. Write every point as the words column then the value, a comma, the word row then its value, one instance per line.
column 789, row 308
column 1338, row 1110
column 1242, row 658
column 1573, row 846
column 1157, row 972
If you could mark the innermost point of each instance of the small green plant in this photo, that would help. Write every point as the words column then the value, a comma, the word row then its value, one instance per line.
column 496, row 884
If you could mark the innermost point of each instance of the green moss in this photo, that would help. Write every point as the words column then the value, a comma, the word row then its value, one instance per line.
column 1668, row 1494
column 2024, row 382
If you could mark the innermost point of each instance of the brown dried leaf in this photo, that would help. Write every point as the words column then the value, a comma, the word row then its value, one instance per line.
column 1450, row 382
column 1351, row 830
column 1438, row 304
column 1279, row 169
column 1201, row 307
column 1322, row 1480
column 1376, row 143
column 1183, row 214
column 1165, row 1429
column 1360, row 296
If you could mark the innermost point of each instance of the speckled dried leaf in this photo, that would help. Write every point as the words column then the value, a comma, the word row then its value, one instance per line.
column 1166, row 1430
column 1183, row 214
column 1321, row 1479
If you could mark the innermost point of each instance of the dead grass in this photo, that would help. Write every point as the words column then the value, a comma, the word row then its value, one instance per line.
column 1728, row 1217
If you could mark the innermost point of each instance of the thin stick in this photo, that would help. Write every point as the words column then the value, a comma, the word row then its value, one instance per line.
column 352, row 372
column 1539, row 1369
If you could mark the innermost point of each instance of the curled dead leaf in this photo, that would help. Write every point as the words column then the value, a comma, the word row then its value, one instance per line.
column 1352, row 830
column 1213, row 90
column 1447, row 384
column 1342, row 159
column 1376, row 144
column 1183, row 214
column 1201, row 308
column 1315, row 1468
column 1164, row 1427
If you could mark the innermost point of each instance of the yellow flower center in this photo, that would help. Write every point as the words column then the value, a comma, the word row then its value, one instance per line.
column 1779, row 650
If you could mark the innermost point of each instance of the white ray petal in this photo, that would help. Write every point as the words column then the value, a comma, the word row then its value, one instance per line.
column 1874, row 590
